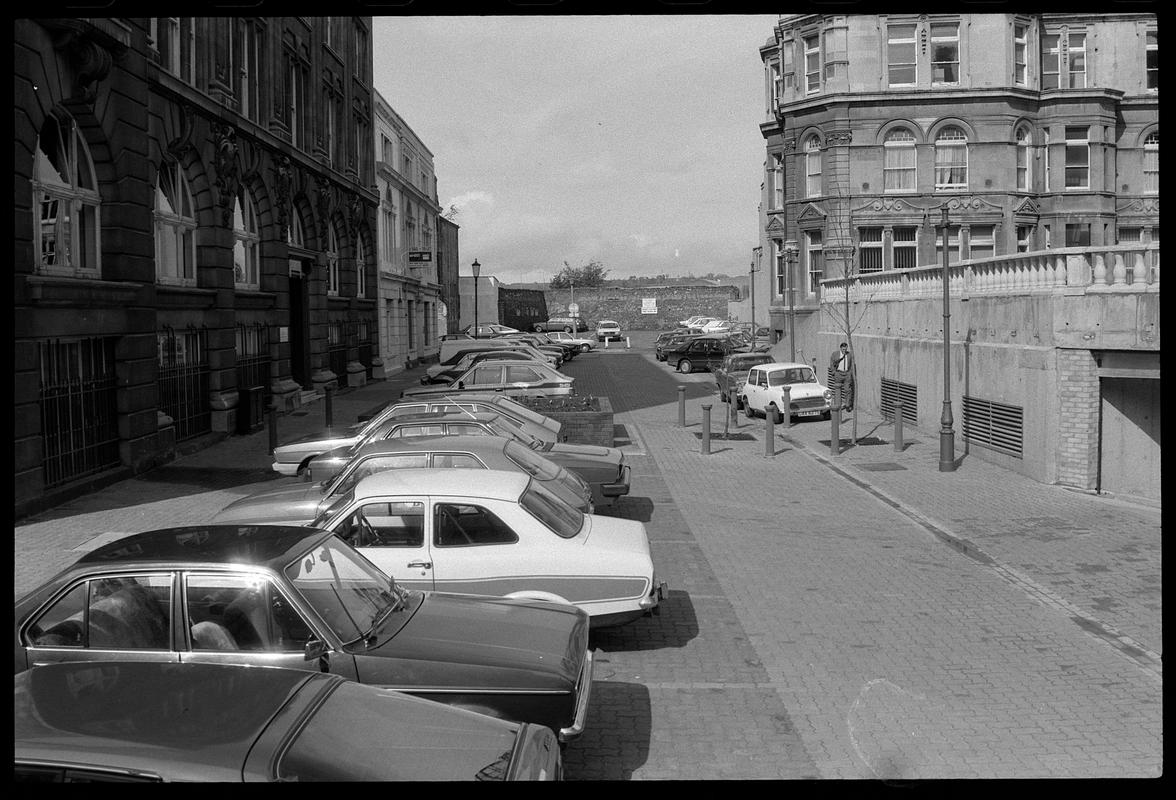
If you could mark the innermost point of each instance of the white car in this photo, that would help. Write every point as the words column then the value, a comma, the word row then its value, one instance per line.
column 763, row 393
column 491, row 532
column 607, row 329
column 717, row 326
column 563, row 337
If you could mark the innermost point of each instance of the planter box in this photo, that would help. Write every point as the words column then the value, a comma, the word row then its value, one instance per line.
column 585, row 420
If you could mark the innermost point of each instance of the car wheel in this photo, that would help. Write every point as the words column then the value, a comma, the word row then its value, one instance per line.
column 777, row 417
column 685, row 366
column 747, row 411
column 538, row 328
column 584, row 348
column 567, row 328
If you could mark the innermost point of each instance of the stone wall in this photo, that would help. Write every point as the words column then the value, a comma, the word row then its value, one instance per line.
column 585, row 420
column 624, row 304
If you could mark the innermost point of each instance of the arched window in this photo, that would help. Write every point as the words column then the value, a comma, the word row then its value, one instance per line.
column 1024, row 162
column 245, row 241
column 812, row 166
column 898, row 166
column 1151, row 163
column 65, row 196
column 332, row 254
column 295, row 235
column 175, row 227
column 360, row 269
column 951, row 159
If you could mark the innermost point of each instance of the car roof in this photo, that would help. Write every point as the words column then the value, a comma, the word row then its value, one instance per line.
column 208, row 544
column 127, row 710
column 468, row 442
column 483, row 483
column 520, row 362
column 775, row 365
column 444, row 416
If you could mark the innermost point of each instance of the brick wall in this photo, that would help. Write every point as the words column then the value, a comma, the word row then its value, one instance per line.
column 1078, row 406
column 590, row 423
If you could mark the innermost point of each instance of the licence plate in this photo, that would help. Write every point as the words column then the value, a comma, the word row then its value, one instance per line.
column 807, row 413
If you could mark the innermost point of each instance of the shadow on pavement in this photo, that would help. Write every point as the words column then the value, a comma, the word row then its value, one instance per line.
column 615, row 742
column 629, row 507
column 675, row 626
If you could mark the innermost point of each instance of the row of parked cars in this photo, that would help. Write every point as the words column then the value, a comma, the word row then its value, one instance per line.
column 745, row 371
column 413, row 602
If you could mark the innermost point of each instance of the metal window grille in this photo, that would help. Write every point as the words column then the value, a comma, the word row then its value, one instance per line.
column 337, row 338
column 891, row 392
column 79, row 408
column 253, row 357
column 996, row 425
column 183, row 380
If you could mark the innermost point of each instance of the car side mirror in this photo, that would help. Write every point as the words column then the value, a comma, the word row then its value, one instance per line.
column 461, row 384
column 315, row 649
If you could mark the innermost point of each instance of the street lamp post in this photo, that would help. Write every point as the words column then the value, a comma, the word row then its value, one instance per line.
column 790, row 252
column 946, row 434
column 757, row 252
column 477, row 268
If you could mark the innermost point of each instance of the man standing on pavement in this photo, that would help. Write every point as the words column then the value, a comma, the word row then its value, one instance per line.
column 841, row 362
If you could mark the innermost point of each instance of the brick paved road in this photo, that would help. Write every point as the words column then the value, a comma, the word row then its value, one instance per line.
column 827, row 619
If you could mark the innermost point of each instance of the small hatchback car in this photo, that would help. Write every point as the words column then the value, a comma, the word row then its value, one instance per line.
column 607, row 329
column 763, row 393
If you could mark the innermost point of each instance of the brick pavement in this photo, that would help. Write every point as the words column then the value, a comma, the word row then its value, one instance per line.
column 827, row 619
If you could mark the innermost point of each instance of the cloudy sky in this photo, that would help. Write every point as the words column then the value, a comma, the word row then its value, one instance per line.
column 629, row 140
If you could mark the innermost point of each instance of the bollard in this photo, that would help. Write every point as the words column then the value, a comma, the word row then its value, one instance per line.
column 706, row 428
column 769, row 435
column 327, row 410
column 787, row 412
column 627, row 343
column 272, row 417
column 835, row 424
column 898, row 426
column 733, row 405
column 681, row 406
column 607, row 339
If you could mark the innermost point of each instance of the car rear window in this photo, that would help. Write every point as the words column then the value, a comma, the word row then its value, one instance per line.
column 563, row 520
column 539, row 467
column 785, row 376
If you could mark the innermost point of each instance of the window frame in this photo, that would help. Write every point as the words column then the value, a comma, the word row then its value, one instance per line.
column 892, row 149
column 958, row 61
column 891, row 42
column 246, row 240
column 814, row 247
column 946, row 145
column 812, row 77
column 1151, row 172
column 77, row 232
column 1071, row 50
column 1024, row 158
column 904, row 246
column 331, row 254
column 1074, row 146
column 812, row 156
column 872, row 248
column 1151, row 60
column 174, row 226
column 1021, row 53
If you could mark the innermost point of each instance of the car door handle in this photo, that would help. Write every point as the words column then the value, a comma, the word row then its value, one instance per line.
column 421, row 564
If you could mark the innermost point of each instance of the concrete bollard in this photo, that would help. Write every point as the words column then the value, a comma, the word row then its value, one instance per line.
column 787, row 410
column 706, row 409
column 607, row 339
column 272, row 420
column 835, row 424
column 734, row 409
column 627, row 343
column 769, row 436
column 328, row 410
column 898, row 426
column 681, row 406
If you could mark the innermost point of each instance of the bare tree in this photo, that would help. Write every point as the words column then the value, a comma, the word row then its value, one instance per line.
column 846, row 316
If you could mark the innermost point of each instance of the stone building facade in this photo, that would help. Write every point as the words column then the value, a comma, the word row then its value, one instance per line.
column 411, row 309
column 194, row 234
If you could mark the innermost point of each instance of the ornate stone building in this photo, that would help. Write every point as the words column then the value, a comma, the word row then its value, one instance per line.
column 195, row 220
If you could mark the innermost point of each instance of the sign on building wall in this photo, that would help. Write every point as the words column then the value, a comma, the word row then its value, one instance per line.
column 419, row 257
column 649, row 305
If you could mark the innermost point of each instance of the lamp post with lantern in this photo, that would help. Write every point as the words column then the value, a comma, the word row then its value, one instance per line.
column 946, row 433
column 790, row 252
column 477, row 268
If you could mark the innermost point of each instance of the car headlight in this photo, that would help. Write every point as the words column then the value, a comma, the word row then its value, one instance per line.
column 828, row 395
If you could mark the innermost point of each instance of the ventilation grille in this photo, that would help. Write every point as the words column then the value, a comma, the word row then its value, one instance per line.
column 892, row 392
column 996, row 425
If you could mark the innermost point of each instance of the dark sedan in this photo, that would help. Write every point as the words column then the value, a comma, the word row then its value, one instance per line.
column 305, row 599
column 732, row 373
column 143, row 722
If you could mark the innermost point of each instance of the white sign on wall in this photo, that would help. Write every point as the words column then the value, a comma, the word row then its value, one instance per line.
column 649, row 305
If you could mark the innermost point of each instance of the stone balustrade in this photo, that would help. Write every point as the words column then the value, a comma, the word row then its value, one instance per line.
column 1113, row 268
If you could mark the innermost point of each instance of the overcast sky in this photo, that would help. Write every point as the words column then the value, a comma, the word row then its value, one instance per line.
column 629, row 140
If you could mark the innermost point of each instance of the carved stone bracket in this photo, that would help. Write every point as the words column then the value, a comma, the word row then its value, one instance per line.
column 182, row 143
column 227, row 167
column 790, row 144
column 839, row 137
column 89, row 54
column 283, row 178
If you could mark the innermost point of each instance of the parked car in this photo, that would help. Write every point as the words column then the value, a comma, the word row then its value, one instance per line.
column 717, row 326
column 572, row 350
column 697, row 321
column 334, row 475
column 149, row 722
column 539, row 341
column 731, row 373
column 486, row 330
column 495, row 532
column 302, row 598
column 698, row 352
column 674, row 340
column 607, row 329
column 583, row 343
column 763, row 392
column 444, row 373
column 293, row 457
column 511, row 410
column 604, row 468
column 512, row 378
column 565, row 324
column 453, row 348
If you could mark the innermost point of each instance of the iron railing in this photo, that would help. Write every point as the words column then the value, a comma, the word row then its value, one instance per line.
column 183, row 380
column 79, row 408
column 253, row 358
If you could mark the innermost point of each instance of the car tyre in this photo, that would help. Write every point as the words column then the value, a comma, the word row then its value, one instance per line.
column 685, row 366
column 584, row 348
column 777, row 417
column 538, row 328
column 747, row 410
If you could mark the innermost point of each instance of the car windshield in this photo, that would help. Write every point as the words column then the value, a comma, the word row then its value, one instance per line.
column 786, row 376
column 604, row 323
column 346, row 589
column 563, row 520
column 539, row 467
